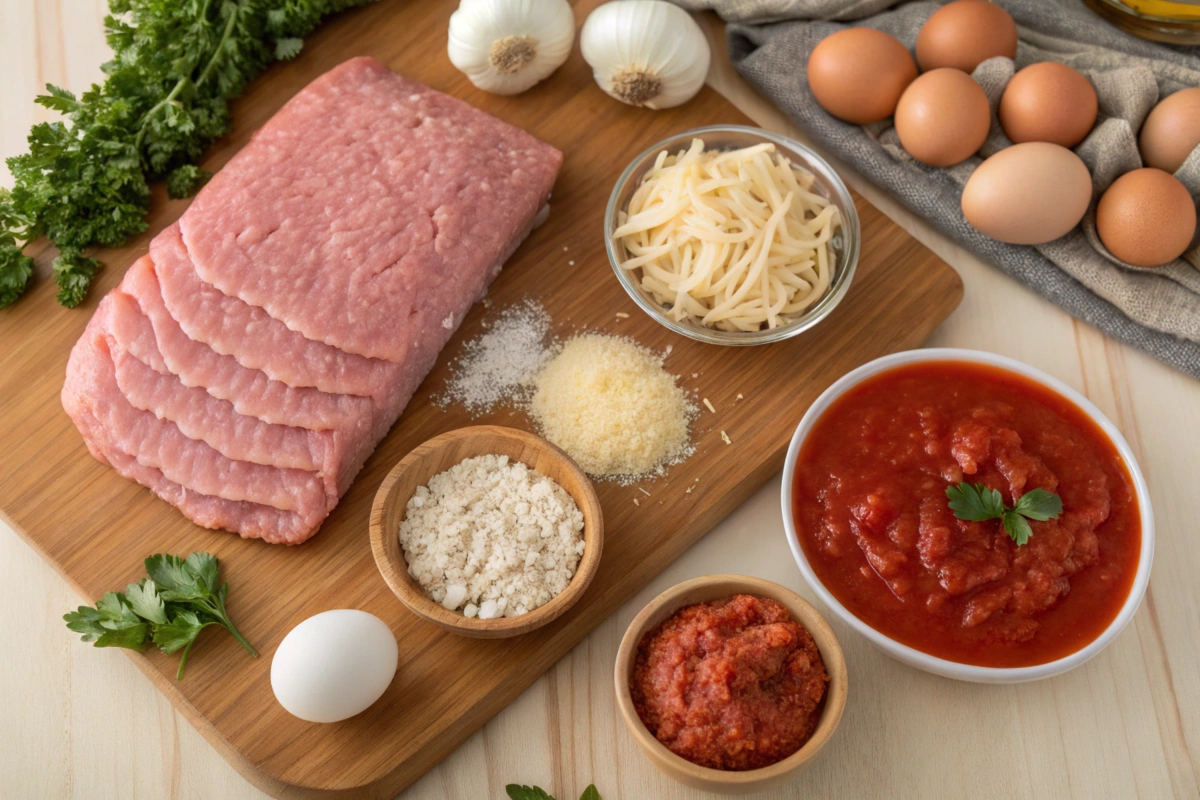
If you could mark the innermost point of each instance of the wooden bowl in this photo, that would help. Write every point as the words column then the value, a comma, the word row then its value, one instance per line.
column 438, row 455
column 715, row 587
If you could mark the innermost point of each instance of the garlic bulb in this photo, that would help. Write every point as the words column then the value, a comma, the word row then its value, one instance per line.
column 645, row 52
column 506, row 46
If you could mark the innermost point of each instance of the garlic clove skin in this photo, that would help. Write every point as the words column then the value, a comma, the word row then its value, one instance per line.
column 507, row 46
column 645, row 53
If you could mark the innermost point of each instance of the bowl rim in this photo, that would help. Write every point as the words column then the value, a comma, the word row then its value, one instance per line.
column 828, row 646
column 395, row 571
column 811, row 160
column 918, row 658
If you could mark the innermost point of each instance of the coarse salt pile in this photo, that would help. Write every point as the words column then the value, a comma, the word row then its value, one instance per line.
column 500, row 364
column 492, row 537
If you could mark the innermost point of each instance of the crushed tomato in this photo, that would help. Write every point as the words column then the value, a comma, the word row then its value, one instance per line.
column 732, row 684
column 872, row 516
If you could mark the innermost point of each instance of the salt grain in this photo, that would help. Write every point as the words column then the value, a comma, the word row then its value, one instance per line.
column 500, row 364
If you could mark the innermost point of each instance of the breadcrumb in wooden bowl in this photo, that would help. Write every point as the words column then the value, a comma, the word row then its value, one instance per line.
column 438, row 455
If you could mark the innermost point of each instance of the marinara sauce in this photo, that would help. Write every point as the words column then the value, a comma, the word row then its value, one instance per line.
column 872, row 515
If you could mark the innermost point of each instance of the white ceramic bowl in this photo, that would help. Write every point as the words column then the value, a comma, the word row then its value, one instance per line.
column 916, row 658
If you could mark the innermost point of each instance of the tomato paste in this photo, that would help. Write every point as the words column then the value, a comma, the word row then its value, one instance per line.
column 872, row 516
column 732, row 684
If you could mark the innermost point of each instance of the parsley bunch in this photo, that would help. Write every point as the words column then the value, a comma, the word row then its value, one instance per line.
column 179, row 599
column 176, row 64
column 977, row 503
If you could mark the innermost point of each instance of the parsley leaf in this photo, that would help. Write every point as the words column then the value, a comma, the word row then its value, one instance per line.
column 185, row 181
column 181, row 598
column 975, row 502
column 84, row 180
column 1039, row 504
column 518, row 792
column 145, row 602
column 978, row 503
column 1016, row 526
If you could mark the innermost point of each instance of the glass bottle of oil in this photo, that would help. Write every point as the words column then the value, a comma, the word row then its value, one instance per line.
column 1171, row 21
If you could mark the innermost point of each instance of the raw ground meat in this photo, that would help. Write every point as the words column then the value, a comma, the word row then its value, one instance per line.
column 368, row 208
column 246, row 368
column 255, row 338
column 251, row 391
column 159, row 443
column 251, row 520
column 201, row 416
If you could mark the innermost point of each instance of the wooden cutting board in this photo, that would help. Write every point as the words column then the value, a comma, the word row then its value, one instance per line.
column 95, row 528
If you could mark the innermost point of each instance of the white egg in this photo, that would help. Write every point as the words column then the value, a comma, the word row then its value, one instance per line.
column 334, row 665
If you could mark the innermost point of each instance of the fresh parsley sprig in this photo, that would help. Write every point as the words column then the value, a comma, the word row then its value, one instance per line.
column 175, row 66
column 518, row 792
column 978, row 503
column 180, row 598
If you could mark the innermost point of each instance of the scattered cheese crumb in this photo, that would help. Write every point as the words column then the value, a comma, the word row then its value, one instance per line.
column 739, row 397
column 689, row 489
column 610, row 404
column 725, row 437
column 493, row 537
column 571, row 263
column 710, row 406
column 636, row 503
column 622, row 315
column 564, row 248
column 643, row 491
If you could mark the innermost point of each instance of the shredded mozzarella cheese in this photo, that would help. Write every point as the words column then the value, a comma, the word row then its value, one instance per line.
column 733, row 240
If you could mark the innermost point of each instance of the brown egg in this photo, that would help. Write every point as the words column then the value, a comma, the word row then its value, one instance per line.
column 858, row 74
column 1028, row 194
column 1048, row 102
column 942, row 117
column 964, row 34
column 1146, row 218
column 1172, row 130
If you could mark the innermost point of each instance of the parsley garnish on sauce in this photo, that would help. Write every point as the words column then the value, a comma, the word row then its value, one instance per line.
column 977, row 503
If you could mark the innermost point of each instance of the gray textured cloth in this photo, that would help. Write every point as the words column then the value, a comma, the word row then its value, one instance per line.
column 1157, row 310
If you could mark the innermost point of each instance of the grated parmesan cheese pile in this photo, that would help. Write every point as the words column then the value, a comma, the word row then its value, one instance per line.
column 492, row 537
column 609, row 403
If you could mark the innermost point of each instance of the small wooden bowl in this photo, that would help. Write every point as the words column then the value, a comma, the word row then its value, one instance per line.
column 715, row 587
column 438, row 455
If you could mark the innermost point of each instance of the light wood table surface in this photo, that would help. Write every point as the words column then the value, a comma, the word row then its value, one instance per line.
column 81, row 722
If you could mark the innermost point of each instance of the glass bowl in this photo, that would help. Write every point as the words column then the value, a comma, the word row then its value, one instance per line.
column 845, row 243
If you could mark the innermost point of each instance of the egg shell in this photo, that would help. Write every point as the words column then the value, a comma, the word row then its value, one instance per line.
column 1028, row 193
column 858, row 74
column 943, row 117
column 964, row 34
column 1146, row 218
column 334, row 665
column 1048, row 102
column 1171, row 130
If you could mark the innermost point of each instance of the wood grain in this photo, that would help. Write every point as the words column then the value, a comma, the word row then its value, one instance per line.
column 440, row 454
column 95, row 528
column 81, row 722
